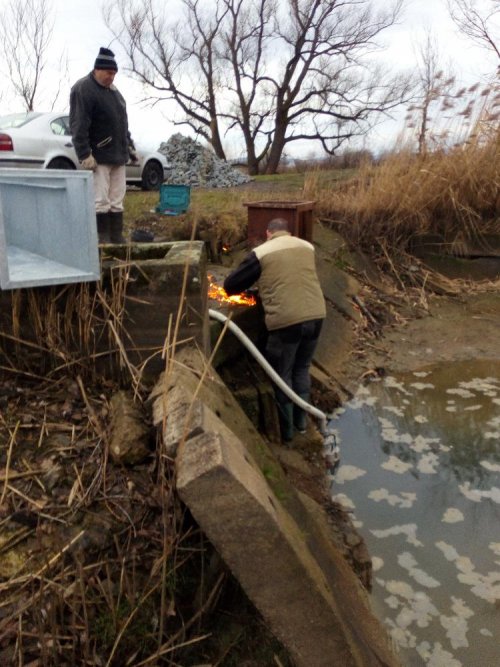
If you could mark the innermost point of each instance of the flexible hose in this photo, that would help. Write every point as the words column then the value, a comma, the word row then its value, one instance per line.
column 243, row 338
column 329, row 440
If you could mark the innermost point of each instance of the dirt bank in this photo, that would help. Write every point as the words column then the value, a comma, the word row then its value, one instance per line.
column 452, row 328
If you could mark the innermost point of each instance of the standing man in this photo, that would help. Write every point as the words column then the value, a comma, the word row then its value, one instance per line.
column 99, row 127
column 294, row 307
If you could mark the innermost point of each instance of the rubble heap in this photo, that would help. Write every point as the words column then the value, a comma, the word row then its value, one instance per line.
column 196, row 165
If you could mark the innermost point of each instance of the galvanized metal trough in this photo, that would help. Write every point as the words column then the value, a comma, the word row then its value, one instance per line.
column 48, row 230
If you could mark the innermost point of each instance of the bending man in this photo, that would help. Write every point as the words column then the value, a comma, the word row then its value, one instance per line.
column 284, row 269
column 99, row 127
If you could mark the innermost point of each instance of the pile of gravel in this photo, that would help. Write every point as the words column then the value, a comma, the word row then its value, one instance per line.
column 195, row 165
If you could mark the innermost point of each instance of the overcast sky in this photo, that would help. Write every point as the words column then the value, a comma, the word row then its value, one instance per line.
column 79, row 31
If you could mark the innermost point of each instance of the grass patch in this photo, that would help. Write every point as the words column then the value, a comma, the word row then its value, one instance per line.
column 449, row 193
column 221, row 212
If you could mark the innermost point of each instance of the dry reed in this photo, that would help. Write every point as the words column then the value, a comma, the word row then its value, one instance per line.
column 448, row 192
column 107, row 587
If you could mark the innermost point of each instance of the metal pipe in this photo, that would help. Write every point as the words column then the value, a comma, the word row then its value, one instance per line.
column 332, row 454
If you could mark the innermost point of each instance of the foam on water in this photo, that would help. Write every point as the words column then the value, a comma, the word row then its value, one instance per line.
column 419, row 472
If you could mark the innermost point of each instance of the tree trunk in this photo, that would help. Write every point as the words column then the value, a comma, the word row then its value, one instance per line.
column 215, row 139
column 252, row 166
column 277, row 146
column 252, row 160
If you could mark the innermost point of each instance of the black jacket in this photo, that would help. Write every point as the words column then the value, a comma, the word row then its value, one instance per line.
column 98, row 122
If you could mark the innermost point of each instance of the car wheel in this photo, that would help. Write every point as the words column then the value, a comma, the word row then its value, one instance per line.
column 152, row 175
column 60, row 163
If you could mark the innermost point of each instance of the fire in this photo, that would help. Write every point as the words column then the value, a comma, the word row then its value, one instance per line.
column 218, row 293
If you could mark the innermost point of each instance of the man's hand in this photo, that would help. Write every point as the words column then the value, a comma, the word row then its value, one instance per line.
column 89, row 163
column 134, row 158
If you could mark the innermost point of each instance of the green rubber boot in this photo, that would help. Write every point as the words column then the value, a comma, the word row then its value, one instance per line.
column 116, row 227
column 103, row 228
column 299, row 415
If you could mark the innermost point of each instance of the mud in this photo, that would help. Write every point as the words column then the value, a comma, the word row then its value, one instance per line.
column 465, row 327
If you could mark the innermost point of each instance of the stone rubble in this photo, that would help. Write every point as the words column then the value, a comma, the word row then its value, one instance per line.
column 196, row 165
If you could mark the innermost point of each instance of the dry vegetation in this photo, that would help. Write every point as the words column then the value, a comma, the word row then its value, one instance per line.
column 452, row 193
column 100, row 564
column 107, row 562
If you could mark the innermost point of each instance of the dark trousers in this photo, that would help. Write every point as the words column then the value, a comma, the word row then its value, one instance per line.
column 290, row 352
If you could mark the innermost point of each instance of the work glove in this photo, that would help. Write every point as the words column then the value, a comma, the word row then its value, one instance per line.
column 89, row 163
column 133, row 155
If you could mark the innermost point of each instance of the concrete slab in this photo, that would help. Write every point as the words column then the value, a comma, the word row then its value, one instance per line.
column 152, row 310
column 244, row 502
column 334, row 348
column 263, row 547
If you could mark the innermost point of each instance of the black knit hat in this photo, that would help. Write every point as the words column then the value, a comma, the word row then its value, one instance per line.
column 105, row 60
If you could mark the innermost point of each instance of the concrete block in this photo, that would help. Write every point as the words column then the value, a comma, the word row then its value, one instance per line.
column 183, row 422
column 179, row 416
column 167, row 401
column 152, row 301
column 245, row 503
column 264, row 548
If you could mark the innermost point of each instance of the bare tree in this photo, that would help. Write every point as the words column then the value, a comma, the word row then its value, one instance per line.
column 479, row 21
column 25, row 34
column 436, row 92
column 277, row 71
column 174, row 60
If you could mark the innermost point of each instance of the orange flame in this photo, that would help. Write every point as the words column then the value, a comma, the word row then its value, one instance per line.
column 218, row 293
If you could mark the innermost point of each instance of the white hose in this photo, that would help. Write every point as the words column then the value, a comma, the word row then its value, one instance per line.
column 243, row 338
column 330, row 447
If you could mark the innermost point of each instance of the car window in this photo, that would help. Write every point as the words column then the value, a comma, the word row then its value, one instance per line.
column 59, row 126
column 16, row 119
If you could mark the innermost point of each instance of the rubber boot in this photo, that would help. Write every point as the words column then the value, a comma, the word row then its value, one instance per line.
column 285, row 414
column 103, row 227
column 116, row 226
column 299, row 415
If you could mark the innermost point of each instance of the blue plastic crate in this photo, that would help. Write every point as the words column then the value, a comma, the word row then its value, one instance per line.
column 174, row 199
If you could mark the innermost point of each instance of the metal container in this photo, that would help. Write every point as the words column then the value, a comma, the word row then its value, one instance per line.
column 48, row 232
column 298, row 214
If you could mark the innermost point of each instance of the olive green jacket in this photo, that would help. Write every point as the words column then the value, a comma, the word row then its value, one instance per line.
column 288, row 283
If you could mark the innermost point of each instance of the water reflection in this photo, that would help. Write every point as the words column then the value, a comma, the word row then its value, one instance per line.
column 419, row 470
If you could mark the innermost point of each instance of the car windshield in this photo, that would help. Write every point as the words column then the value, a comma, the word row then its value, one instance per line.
column 17, row 119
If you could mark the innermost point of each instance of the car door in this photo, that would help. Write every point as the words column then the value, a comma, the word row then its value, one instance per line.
column 58, row 142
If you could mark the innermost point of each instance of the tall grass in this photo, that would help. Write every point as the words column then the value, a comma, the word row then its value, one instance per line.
column 66, row 329
column 452, row 193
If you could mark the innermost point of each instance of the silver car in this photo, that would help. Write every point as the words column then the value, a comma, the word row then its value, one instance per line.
column 43, row 141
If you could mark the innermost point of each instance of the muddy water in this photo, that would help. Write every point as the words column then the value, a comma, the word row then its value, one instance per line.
column 420, row 471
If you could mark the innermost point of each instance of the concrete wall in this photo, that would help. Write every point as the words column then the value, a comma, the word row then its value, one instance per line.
column 149, row 295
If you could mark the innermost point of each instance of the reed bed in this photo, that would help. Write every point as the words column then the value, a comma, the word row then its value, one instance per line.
column 96, row 560
column 100, row 564
column 449, row 192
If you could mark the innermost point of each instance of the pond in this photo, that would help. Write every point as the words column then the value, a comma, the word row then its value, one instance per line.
column 420, row 464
